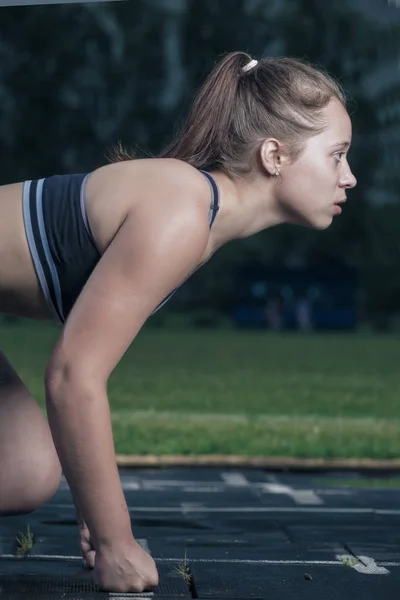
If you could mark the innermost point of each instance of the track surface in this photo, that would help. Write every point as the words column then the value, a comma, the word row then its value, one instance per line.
column 245, row 534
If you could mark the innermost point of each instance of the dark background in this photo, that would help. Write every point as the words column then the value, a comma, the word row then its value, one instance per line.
column 76, row 79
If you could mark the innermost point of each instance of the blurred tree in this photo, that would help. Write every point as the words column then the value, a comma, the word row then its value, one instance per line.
column 76, row 79
column 73, row 80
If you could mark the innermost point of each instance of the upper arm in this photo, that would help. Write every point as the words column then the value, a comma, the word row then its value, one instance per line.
column 154, row 250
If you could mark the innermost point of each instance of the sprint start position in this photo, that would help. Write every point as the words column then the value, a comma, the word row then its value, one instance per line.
column 265, row 143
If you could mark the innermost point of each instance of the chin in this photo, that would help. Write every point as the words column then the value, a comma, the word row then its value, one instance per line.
column 319, row 225
column 323, row 226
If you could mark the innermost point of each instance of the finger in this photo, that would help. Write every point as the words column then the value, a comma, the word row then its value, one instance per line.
column 90, row 559
column 88, row 554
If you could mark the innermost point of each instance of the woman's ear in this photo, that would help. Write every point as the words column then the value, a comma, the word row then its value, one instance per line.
column 271, row 156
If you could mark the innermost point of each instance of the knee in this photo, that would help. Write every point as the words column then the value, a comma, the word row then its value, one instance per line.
column 32, row 490
column 44, row 485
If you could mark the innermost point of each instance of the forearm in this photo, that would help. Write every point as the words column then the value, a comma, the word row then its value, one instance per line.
column 80, row 422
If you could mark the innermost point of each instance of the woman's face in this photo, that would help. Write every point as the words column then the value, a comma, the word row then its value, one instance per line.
column 312, row 189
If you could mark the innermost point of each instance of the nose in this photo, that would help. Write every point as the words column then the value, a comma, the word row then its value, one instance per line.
column 348, row 180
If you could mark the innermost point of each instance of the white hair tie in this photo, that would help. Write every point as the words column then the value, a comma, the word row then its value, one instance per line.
column 250, row 65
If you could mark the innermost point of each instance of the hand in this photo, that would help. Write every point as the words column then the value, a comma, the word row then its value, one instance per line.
column 87, row 548
column 125, row 570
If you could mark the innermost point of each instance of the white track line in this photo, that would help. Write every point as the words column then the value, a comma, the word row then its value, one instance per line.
column 255, row 509
column 253, row 562
column 368, row 565
column 242, row 509
column 141, row 541
column 235, row 479
column 51, row 557
column 384, row 511
column 299, row 496
column 189, row 507
column 130, row 596
column 239, row 509
column 131, row 485
column 366, row 559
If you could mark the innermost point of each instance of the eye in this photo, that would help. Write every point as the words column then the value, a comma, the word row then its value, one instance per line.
column 338, row 156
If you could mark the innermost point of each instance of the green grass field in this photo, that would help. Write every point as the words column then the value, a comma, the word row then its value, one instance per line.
column 229, row 392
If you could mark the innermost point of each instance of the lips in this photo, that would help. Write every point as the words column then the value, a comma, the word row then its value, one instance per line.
column 338, row 209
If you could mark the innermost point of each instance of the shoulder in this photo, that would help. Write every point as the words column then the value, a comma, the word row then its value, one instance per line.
column 147, row 192
column 168, row 167
column 170, row 189
column 149, row 174
column 166, row 194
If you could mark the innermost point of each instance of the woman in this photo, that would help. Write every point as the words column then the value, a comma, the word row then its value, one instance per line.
column 265, row 143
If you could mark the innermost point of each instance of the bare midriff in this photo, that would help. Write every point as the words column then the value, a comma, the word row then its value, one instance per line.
column 20, row 292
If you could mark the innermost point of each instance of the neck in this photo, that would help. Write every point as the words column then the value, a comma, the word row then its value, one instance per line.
column 246, row 207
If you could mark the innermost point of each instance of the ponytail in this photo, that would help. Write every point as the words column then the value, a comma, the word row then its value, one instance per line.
column 203, row 138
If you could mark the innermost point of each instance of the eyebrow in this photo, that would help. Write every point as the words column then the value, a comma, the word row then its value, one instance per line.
column 344, row 144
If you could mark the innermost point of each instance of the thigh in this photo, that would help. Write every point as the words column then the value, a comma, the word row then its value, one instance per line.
column 21, row 418
column 28, row 460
